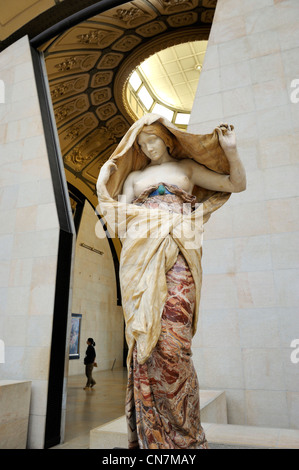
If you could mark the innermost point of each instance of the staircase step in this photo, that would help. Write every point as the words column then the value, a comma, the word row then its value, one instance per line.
column 213, row 406
column 114, row 435
column 214, row 421
column 251, row 436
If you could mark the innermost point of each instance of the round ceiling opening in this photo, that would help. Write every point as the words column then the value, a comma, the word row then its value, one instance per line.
column 166, row 82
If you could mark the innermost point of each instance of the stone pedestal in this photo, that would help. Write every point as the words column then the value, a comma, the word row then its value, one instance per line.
column 14, row 413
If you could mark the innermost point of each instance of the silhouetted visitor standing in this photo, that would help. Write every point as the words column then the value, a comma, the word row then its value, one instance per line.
column 89, row 359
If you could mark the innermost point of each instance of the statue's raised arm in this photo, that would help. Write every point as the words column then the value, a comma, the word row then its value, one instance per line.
column 235, row 181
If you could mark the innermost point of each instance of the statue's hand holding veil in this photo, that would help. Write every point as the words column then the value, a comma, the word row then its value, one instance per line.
column 227, row 138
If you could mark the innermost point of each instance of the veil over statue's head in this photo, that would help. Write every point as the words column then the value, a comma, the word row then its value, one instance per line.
column 128, row 156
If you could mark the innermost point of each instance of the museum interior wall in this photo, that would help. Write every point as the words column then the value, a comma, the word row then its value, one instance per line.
column 29, row 235
column 95, row 296
column 249, row 306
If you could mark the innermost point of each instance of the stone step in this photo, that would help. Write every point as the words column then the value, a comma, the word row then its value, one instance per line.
column 234, row 435
column 213, row 407
column 219, row 436
column 114, row 433
column 214, row 421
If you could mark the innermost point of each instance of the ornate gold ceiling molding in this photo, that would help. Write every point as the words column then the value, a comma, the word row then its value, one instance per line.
column 129, row 15
column 144, row 52
column 84, row 156
column 100, row 96
column 87, row 36
column 168, row 7
column 70, row 109
column 77, row 130
column 64, row 88
column 61, row 65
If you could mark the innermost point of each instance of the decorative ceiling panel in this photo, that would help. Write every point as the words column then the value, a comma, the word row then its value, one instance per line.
column 87, row 36
column 70, row 109
column 63, row 88
column 61, row 65
column 101, row 78
column 110, row 60
column 91, row 172
column 183, row 19
column 168, row 7
column 89, row 148
column 151, row 29
column 100, row 96
column 73, row 133
column 129, row 15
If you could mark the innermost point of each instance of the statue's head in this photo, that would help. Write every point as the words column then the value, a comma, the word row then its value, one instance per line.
column 157, row 134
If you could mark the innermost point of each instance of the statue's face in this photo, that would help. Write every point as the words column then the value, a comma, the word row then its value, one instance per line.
column 152, row 146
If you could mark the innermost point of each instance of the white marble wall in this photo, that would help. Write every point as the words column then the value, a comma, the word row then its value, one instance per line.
column 94, row 296
column 250, row 295
column 29, row 232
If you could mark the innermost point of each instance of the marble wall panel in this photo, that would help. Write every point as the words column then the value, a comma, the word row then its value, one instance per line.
column 29, row 235
column 250, row 249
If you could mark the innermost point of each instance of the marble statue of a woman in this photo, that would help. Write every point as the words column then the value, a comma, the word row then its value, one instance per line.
column 164, row 184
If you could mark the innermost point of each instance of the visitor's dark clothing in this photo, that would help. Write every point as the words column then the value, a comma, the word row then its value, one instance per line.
column 90, row 355
column 89, row 359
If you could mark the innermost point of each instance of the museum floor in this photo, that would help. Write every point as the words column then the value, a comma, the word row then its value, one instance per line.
column 88, row 409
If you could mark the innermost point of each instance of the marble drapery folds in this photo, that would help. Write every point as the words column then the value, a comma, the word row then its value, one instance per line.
column 152, row 239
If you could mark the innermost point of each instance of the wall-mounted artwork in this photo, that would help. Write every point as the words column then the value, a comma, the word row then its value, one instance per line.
column 74, row 352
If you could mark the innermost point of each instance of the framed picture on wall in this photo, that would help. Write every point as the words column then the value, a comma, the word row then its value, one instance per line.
column 74, row 352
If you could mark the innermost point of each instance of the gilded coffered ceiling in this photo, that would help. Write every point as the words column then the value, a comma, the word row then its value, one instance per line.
column 89, row 65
